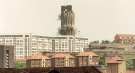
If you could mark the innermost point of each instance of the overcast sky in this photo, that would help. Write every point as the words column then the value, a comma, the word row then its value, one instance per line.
column 95, row 19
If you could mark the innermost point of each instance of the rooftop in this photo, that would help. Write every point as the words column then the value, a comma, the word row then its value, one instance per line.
column 62, row 55
column 38, row 56
column 115, row 59
column 89, row 53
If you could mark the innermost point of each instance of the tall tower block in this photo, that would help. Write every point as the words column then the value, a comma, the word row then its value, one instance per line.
column 67, row 18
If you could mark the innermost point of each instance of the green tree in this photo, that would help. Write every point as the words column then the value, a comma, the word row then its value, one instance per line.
column 105, row 42
column 102, row 61
column 20, row 65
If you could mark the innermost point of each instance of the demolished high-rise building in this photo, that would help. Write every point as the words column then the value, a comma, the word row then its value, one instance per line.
column 67, row 21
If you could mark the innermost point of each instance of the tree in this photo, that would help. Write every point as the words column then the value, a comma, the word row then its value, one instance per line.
column 105, row 42
column 102, row 61
column 20, row 65
column 95, row 42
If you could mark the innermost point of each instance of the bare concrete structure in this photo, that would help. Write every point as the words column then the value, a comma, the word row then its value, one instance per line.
column 7, row 57
column 67, row 21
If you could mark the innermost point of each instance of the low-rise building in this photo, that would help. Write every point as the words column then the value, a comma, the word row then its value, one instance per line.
column 63, row 60
column 87, row 59
column 108, row 50
column 38, row 60
column 116, row 65
column 124, row 38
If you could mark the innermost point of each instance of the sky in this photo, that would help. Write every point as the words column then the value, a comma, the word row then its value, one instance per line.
column 95, row 19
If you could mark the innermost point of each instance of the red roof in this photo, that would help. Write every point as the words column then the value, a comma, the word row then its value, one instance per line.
column 90, row 53
column 38, row 56
column 115, row 59
column 62, row 55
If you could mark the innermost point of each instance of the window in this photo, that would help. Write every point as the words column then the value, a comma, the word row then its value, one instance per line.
column 56, row 44
column 59, row 62
column 7, row 58
column 85, row 60
column 21, row 52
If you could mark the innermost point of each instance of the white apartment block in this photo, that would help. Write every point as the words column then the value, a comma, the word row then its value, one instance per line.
column 27, row 44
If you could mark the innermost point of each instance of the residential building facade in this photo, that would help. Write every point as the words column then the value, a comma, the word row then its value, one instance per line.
column 27, row 44
column 116, row 65
column 63, row 60
column 87, row 59
column 38, row 60
column 124, row 38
